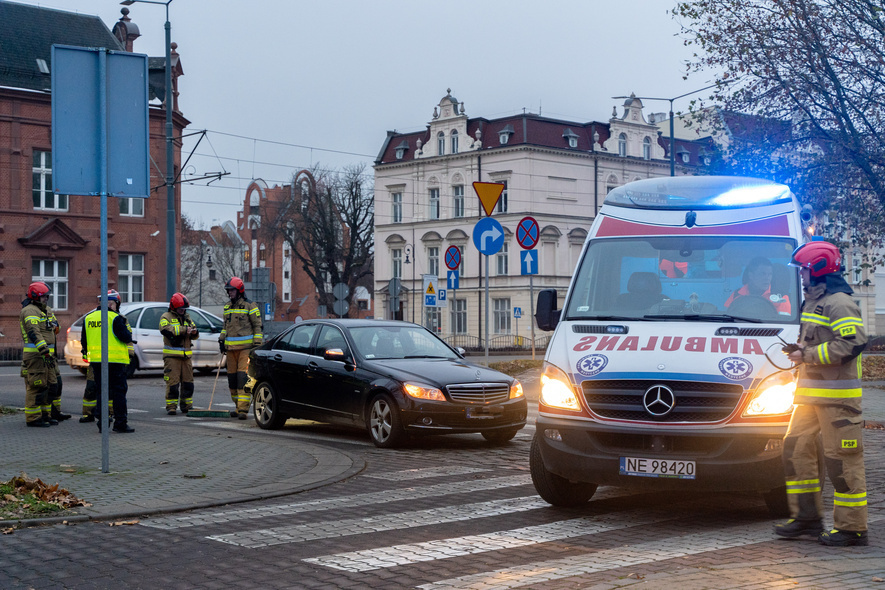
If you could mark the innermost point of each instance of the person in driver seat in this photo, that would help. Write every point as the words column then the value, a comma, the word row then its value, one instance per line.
column 757, row 283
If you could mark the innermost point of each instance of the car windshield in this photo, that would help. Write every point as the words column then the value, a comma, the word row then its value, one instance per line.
column 706, row 278
column 397, row 342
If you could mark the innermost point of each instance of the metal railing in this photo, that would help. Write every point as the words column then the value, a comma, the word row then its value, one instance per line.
column 11, row 353
column 499, row 343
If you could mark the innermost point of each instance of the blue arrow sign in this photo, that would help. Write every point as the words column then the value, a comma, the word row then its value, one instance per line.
column 488, row 236
column 528, row 262
column 452, row 279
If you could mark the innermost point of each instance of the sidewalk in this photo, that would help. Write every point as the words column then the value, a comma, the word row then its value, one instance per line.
column 165, row 466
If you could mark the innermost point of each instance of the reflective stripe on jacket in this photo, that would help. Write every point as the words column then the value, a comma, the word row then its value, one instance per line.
column 242, row 325
column 176, row 341
column 38, row 331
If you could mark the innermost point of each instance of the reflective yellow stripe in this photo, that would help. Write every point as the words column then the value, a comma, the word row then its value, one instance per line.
column 816, row 319
column 847, row 321
column 851, row 500
column 830, row 393
column 823, row 352
column 803, row 482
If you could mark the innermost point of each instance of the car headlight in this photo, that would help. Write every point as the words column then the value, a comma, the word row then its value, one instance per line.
column 556, row 389
column 516, row 390
column 424, row 392
column 773, row 396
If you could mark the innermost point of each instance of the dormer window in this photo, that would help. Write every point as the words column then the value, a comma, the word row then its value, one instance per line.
column 685, row 156
column 504, row 134
column 571, row 137
column 454, row 141
column 401, row 150
column 441, row 144
column 622, row 145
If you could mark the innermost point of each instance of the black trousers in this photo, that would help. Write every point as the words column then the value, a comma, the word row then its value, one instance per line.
column 117, row 389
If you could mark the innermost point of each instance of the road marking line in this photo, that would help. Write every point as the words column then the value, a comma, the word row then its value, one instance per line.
column 426, row 472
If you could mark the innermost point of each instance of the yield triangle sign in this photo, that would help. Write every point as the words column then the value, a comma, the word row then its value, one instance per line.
column 488, row 193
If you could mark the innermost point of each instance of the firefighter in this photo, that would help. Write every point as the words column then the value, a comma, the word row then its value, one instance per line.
column 179, row 332
column 55, row 400
column 39, row 365
column 116, row 357
column 828, row 404
column 241, row 333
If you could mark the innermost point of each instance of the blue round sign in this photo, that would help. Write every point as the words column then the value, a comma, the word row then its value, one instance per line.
column 488, row 236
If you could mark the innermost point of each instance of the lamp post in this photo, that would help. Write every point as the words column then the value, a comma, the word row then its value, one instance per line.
column 171, row 259
column 672, row 153
column 409, row 250
column 208, row 265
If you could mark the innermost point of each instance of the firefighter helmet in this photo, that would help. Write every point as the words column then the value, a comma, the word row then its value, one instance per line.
column 235, row 283
column 178, row 301
column 819, row 257
column 38, row 290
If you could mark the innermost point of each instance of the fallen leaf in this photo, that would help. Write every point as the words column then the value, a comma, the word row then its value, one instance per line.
column 10, row 498
column 636, row 576
column 163, row 462
column 122, row 522
column 878, row 580
column 11, row 530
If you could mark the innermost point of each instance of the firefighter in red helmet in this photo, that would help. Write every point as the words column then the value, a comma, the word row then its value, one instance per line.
column 828, row 404
column 179, row 332
column 240, row 334
column 39, row 365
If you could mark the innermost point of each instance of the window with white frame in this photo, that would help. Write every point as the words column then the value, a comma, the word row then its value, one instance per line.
column 41, row 188
column 433, row 319
column 433, row 260
column 458, row 315
column 622, row 145
column 501, row 259
column 856, row 268
column 131, row 207
column 454, row 141
column 502, row 202
column 502, row 315
column 434, row 203
column 441, row 143
column 646, row 148
column 396, row 200
column 396, row 259
column 130, row 277
column 458, row 196
column 55, row 274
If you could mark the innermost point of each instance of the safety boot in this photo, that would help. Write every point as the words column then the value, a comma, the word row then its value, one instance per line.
column 233, row 413
column 49, row 419
column 796, row 528
column 837, row 538
column 171, row 412
column 85, row 419
column 242, row 416
column 57, row 415
column 39, row 423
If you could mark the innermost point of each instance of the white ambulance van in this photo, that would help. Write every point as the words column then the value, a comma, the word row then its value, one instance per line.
column 658, row 374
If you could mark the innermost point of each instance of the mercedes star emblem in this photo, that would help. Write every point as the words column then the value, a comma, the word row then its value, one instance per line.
column 658, row 400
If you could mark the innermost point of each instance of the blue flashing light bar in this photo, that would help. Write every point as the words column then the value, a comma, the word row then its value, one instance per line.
column 698, row 192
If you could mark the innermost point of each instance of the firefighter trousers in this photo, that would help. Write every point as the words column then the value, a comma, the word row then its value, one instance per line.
column 41, row 386
column 237, row 363
column 178, row 373
column 842, row 432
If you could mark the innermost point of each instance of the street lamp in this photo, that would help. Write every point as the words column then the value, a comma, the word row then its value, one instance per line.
column 672, row 153
column 171, row 274
column 208, row 265
column 409, row 250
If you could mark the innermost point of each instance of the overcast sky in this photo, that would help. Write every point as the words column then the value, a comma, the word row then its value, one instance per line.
column 301, row 83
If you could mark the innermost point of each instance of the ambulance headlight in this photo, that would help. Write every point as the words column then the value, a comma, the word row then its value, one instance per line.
column 557, row 390
column 773, row 396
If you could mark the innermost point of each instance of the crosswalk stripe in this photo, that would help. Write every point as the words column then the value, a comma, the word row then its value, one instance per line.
column 374, row 524
column 423, row 473
column 412, row 493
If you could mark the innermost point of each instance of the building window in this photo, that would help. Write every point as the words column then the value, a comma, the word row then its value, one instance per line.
column 396, row 258
column 458, row 315
column 458, row 192
column 397, row 204
column 433, row 319
column 571, row 137
column 646, row 148
column 622, row 145
column 434, row 203
column 454, row 141
column 502, row 202
column 130, row 278
column 44, row 198
column 502, row 315
column 212, row 274
column 856, row 269
column 441, row 143
column 362, row 305
column 501, row 259
column 131, row 207
column 433, row 260
column 55, row 274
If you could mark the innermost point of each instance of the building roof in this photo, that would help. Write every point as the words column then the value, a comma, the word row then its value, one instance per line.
column 27, row 34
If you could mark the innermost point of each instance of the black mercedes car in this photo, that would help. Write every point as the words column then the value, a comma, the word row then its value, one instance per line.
column 393, row 378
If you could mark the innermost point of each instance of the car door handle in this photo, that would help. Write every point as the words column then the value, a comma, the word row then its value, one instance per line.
column 277, row 357
column 313, row 366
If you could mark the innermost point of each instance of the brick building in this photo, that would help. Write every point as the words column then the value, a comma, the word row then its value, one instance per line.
column 55, row 238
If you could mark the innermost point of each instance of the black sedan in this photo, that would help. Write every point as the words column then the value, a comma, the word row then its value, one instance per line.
column 393, row 378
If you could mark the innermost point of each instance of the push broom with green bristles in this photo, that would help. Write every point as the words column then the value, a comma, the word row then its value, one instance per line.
column 210, row 413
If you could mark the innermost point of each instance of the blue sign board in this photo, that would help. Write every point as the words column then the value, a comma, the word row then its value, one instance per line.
column 528, row 262
column 430, row 300
column 517, row 312
column 488, row 236
column 441, row 295
column 452, row 279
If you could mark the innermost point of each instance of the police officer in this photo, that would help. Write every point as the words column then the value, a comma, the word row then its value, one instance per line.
column 39, row 365
column 828, row 404
column 178, row 330
column 90, row 397
column 116, row 357
column 241, row 332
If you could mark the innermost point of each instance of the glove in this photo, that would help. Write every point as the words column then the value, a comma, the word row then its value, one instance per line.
column 222, row 347
column 788, row 348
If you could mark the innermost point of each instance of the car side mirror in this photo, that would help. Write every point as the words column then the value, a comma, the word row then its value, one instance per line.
column 461, row 351
column 336, row 354
column 215, row 329
column 546, row 313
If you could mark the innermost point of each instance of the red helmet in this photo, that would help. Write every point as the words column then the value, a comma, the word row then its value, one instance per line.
column 113, row 295
column 235, row 283
column 820, row 257
column 179, row 300
column 38, row 290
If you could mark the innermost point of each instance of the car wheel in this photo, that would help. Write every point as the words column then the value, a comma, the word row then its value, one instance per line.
column 555, row 489
column 385, row 426
column 267, row 408
column 776, row 502
column 206, row 370
column 499, row 437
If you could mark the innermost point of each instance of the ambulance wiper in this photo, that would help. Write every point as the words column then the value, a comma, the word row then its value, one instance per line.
column 620, row 318
column 704, row 317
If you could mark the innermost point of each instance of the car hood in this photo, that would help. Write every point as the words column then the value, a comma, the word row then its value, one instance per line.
column 439, row 372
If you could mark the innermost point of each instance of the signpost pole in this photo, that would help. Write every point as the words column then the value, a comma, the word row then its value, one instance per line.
column 103, row 191
column 487, row 309
column 532, row 307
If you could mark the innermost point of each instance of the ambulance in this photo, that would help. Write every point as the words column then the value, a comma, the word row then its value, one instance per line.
column 665, row 370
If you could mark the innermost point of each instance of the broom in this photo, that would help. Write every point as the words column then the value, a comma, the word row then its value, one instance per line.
column 210, row 413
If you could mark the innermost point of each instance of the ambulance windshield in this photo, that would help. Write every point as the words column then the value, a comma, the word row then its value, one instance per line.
column 687, row 278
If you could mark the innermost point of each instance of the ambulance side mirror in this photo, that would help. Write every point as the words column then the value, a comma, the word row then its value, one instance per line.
column 546, row 313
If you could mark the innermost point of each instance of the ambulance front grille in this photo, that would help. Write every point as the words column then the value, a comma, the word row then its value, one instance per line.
column 694, row 401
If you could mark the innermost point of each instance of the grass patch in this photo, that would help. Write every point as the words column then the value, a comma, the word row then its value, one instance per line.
column 516, row 367
column 24, row 497
column 8, row 410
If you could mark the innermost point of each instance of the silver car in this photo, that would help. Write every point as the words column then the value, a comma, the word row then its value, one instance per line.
column 144, row 317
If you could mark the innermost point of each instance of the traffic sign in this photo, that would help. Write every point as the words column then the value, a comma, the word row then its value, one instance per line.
column 517, row 312
column 452, row 279
column 488, row 236
column 488, row 193
column 528, row 233
column 431, row 292
column 528, row 262
column 430, row 301
column 441, row 295
column 453, row 257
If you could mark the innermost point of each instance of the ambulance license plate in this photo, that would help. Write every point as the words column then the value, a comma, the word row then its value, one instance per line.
column 657, row 468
